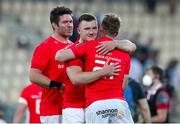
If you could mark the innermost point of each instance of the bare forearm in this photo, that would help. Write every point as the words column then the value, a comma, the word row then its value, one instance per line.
column 126, row 45
column 18, row 117
column 78, row 77
column 158, row 119
column 19, row 113
column 161, row 116
column 88, row 77
column 144, row 109
column 39, row 79
column 64, row 55
column 155, row 119
column 146, row 115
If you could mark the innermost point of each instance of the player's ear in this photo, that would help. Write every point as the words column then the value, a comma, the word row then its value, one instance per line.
column 100, row 29
column 54, row 25
column 78, row 30
column 115, row 34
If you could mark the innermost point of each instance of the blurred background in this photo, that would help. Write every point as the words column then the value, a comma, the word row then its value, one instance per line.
column 152, row 24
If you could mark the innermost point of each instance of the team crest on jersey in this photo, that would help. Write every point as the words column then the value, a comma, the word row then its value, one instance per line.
column 60, row 66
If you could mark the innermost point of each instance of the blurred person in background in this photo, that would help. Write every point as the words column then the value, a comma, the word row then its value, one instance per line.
column 176, row 86
column 137, row 101
column 29, row 101
column 176, row 77
column 172, row 7
column 74, row 36
column 48, row 73
column 158, row 97
column 172, row 73
column 151, row 6
column 136, row 70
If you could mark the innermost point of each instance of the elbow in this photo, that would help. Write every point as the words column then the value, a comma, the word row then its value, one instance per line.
column 79, row 80
column 76, row 80
column 132, row 45
column 31, row 76
column 162, row 118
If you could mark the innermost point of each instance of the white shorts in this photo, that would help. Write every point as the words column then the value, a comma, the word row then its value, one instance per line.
column 73, row 115
column 51, row 119
column 108, row 111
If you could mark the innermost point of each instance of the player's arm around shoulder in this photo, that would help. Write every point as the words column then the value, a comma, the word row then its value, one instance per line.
column 73, row 74
column 64, row 55
column 125, row 45
column 77, row 76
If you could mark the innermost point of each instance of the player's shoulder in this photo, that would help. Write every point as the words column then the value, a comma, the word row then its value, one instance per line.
column 85, row 43
column 26, row 90
column 31, row 88
column 47, row 41
column 44, row 44
column 124, row 54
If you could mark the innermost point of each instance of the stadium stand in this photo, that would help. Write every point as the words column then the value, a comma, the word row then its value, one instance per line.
column 31, row 18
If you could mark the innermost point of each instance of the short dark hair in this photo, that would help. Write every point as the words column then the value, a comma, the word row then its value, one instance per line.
column 57, row 12
column 111, row 24
column 86, row 17
column 158, row 72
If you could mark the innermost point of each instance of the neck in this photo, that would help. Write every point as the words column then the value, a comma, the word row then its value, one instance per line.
column 81, row 41
column 60, row 38
column 153, row 87
column 109, row 36
column 105, row 35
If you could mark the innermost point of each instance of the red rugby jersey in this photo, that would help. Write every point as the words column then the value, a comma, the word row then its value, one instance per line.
column 107, row 87
column 44, row 60
column 74, row 95
column 31, row 96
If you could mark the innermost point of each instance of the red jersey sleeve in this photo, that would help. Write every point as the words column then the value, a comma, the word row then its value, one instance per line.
column 24, row 93
column 40, row 57
column 24, row 97
column 128, row 64
column 80, row 49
